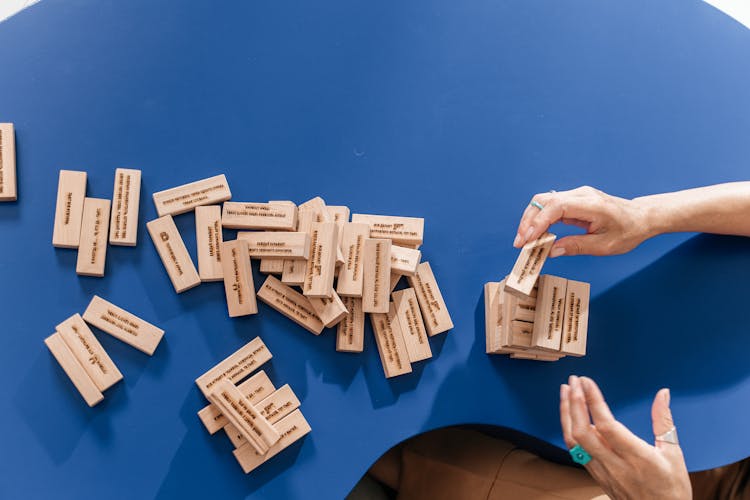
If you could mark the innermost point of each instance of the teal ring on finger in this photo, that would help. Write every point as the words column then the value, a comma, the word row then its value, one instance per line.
column 536, row 204
column 579, row 455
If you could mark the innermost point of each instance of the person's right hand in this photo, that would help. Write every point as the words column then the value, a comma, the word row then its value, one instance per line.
column 613, row 225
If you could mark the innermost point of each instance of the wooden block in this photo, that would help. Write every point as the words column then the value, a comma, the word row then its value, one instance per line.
column 73, row 369
column 524, row 311
column 322, row 262
column 290, row 303
column 535, row 356
column 71, row 191
column 173, row 254
column 236, row 367
column 576, row 319
column 376, row 275
column 390, row 341
column 521, row 333
column 330, row 311
column 291, row 428
column 126, row 198
column 340, row 215
column 404, row 260
column 550, row 311
column 351, row 331
column 8, row 184
column 294, row 270
column 255, row 389
column 435, row 313
column 412, row 326
column 401, row 230
column 123, row 325
column 271, row 265
column 238, row 279
column 350, row 274
column 323, row 213
column 261, row 244
column 528, row 266
column 92, row 248
column 275, row 407
column 89, row 352
column 395, row 278
column 268, row 216
column 208, row 239
column 185, row 198
column 492, row 316
column 259, row 433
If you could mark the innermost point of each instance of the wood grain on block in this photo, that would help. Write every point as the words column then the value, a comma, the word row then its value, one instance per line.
column 330, row 311
column 400, row 230
column 73, row 369
column 390, row 341
column 71, row 191
column 291, row 429
column 208, row 239
column 275, row 407
column 8, row 183
column 536, row 356
column 376, row 275
column 435, row 313
column 185, row 198
column 521, row 333
column 350, row 336
column 271, row 265
column 291, row 304
column 255, row 389
column 286, row 245
column 322, row 262
column 576, row 319
column 271, row 216
column 404, row 260
column 525, row 309
column 323, row 213
column 294, row 270
column 492, row 316
column 528, row 266
column 126, row 198
column 236, row 367
column 550, row 312
column 123, row 325
column 238, row 279
column 92, row 248
column 350, row 274
column 340, row 215
column 412, row 326
column 173, row 254
column 89, row 352
column 395, row 278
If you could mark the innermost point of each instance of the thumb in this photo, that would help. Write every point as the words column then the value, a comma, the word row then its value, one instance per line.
column 661, row 415
column 580, row 244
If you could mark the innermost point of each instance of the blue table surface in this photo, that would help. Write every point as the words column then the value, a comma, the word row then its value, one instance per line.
column 454, row 111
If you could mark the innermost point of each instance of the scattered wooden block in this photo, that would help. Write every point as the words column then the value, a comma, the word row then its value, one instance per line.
column 322, row 262
column 351, row 331
column 390, row 341
column 291, row 428
column 528, row 266
column 350, row 274
column 493, row 315
column 273, row 408
column 376, row 264
column 123, row 325
column 271, row 265
column 435, row 313
column 236, row 367
column 238, row 279
column 401, row 230
column 92, row 248
column 267, row 216
column 412, row 326
column 395, row 278
column 290, row 303
column 208, row 238
column 576, row 320
column 185, row 198
column 330, row 311
column 263, row 244
column 255, row 389
column 173, row 254
column 73, row 369
column 404, row 261
column 126, row 197
column 89, row 352
column 550, row 311
column 294, row 270
column 71, row 191
column 8, row 185
column 323, row 213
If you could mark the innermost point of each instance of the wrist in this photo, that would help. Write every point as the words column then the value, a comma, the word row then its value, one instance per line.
column 651, row 216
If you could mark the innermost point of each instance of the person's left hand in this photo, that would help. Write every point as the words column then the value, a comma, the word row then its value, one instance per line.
column 624, row 465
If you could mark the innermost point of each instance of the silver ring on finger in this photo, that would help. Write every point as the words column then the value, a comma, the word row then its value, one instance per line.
column 669, row 437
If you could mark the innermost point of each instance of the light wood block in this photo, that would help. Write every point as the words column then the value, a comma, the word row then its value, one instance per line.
column 126, row 199
column 435, row 313
column 185, row 198
column 238, row 279
column 92, row 249
column 350, row 336
column 412, row 326
column 322, row 262
column 74, row 370
column 123, row 325
column 8, row 183
column 528, row 266
column 71, row 191
column 376, row 275
column 404, row 261
column 294, row 270
column 535, row 356
column 291, row 304
column 525, row 311
column 275, row 407
column 236, row 367
column 173, row 254
column 262, row 244
column 291, row 428
column 208, row 238
column 269, row 265
column 255, row 389
column 576, row 319
column 521, row 333
column 330, row 311
column 401, row 230
column 550, row 312
column 89, row 352
column 390, row 341
column 266, row 216
column 323, row 213
column 340, row 215
column 351, row 276
column 395, row 278
column 493, row 315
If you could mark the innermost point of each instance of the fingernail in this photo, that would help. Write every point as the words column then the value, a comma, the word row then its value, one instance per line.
column 529, row 233
column 517, row 241
column 556, row 252
column 571, row 380
column 563, row 390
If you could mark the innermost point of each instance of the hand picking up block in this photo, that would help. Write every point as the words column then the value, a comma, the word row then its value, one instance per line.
column 528, row 266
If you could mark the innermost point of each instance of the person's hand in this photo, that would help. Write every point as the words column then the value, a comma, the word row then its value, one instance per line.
column 625, row 466
column 613, row 225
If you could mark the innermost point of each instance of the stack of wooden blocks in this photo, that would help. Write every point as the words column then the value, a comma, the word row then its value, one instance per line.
column 533, row 316
column 259, row 419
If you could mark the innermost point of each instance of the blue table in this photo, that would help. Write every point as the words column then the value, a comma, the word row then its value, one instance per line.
column 455, row 111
